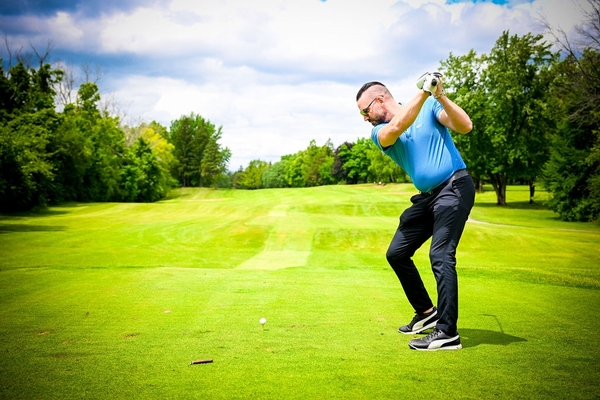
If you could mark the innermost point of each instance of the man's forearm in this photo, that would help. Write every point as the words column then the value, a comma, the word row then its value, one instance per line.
column 456, row 118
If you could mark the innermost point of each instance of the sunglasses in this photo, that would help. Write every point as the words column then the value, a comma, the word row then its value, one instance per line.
column 365, row 111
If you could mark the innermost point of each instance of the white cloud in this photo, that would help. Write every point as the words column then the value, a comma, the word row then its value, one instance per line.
column 560, row 13
column 64, row 26
column 298, row 35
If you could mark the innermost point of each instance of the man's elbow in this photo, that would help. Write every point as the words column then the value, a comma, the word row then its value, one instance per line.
column 466, row 128
column 387, row 141
column 388, row 135
column 469, row 128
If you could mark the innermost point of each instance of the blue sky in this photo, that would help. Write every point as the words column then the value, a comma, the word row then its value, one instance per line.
column 274, row 74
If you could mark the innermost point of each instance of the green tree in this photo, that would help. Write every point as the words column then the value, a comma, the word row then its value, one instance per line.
column 72, row 150
column 44, row 81
column 157, row 136
column 310, row 167
column 225, row 180
column 341, row 155
column 293, row 170
column 357, row 164
column 316, row 163
column 252, row 176
column 27, row 125
column 20, row 89
column 237, row 178
column 594, row 180
column 567, row 175
column 101, row 178
column 143, row 179
column 188, row 136
column 5, row 94
column 572, row 173
column 26, row 172
column 214, row 161
column 79, row 154
column 573, row 170
column 274, row 175
column 325, row 176
column 88, row 151
column 195, row 142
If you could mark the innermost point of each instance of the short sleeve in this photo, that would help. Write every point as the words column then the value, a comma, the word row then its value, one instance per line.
column 375, row 136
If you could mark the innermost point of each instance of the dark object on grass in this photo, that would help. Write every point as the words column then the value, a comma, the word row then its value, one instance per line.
column 207, row 361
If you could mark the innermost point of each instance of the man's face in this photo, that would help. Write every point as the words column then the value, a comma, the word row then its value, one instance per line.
column 370, row 106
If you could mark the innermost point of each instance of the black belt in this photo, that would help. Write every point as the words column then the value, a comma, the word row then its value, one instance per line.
column 461, row 173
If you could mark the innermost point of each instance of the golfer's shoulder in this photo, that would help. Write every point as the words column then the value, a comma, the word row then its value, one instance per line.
column 375, row 132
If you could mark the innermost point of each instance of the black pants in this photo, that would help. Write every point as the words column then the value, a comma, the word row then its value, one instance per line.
column 441, row 216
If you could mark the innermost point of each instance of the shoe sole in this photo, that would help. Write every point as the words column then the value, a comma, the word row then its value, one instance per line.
column 424, row 328
column 440, row 344
column 455, row 347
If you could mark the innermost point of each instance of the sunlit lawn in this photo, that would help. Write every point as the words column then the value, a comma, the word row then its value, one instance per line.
column 115, row 300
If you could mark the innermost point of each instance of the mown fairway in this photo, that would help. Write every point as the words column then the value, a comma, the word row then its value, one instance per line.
column 115, row 300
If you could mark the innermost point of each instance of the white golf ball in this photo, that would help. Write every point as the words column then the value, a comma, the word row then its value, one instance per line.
column 263, row 321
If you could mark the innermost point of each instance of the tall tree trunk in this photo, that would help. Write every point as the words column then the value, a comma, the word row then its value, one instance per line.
column 531, row 190
column 478, row 184
column 499, row 184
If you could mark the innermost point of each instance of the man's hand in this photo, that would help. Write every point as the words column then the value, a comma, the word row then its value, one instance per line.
column 428, row 82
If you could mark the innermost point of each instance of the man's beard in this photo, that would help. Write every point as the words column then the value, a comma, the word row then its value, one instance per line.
column 377, row 120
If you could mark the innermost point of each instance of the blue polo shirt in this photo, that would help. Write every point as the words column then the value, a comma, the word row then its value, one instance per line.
column 425, row 150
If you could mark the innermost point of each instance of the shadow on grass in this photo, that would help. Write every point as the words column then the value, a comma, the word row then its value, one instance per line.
column 12, row 228
column 476, row 337
column 35, row 213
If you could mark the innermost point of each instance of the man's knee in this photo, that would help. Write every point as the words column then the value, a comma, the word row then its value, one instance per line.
column 397, row 256
column 443, row 257
column 391, row 257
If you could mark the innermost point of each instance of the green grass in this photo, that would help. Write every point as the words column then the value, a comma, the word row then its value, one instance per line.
column 115, row 300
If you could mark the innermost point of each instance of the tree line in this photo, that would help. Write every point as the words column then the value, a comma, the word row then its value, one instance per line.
column 82, row 153
column 350, row 163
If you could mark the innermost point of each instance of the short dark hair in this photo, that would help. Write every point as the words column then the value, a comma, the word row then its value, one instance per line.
column 366, row 86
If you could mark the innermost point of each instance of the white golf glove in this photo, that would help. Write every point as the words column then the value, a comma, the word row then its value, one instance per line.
column 428, row 82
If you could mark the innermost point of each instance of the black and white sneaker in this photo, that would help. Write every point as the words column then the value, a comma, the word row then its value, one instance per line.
column 420, row 323
column 436, row 340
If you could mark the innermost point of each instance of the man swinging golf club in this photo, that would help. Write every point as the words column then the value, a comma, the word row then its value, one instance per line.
column 417, row 138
